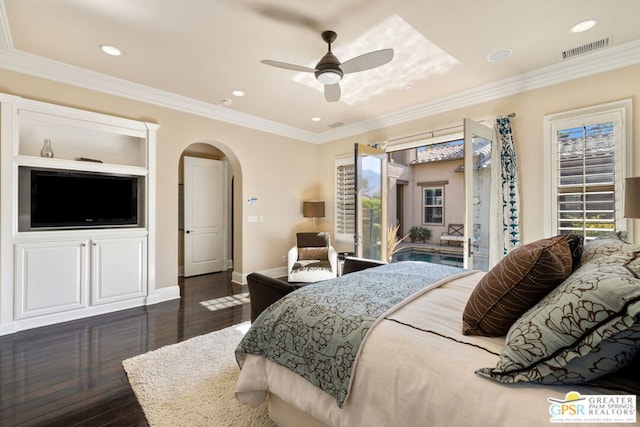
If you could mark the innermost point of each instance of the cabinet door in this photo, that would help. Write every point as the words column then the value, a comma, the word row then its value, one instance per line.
column 118, row 269
column 50, row 277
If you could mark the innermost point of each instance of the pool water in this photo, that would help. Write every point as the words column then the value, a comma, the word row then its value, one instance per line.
column 413, row 255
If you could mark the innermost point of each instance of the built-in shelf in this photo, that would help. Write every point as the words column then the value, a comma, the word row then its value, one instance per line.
column 113, row 141
column 58, row 274
column 76, row 165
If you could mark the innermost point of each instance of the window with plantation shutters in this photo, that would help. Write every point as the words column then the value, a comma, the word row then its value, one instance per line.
column 588, row 159
column 345, row 200
column 586, row 179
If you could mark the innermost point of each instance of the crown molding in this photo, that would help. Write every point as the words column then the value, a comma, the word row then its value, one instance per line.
column 594, row 63
column 64, row 73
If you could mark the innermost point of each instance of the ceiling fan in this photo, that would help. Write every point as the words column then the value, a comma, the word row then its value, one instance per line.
column 329, row 71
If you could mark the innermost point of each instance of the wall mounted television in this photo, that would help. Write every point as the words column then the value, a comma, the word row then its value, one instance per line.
column 62, row 199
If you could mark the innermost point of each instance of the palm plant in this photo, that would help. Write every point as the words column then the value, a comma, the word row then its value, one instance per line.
column 393, row 240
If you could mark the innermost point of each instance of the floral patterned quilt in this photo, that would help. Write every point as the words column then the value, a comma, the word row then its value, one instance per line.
column 317, row 330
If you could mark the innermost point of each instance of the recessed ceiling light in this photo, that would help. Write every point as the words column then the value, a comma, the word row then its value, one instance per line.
column 237, row 93
column 585, row 25
column 315, row 119
column 110, row 50
column 499, row 55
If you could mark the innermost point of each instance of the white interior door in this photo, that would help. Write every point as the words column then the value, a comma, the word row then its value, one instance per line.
column 478, row 147
column 203, row 216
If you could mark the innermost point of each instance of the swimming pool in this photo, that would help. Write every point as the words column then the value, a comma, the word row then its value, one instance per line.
column 436, row 258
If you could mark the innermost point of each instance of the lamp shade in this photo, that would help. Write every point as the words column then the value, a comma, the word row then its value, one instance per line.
column 313, row 209
column 632, row 197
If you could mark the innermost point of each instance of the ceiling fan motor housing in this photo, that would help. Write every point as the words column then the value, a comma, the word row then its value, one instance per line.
column 328, row 69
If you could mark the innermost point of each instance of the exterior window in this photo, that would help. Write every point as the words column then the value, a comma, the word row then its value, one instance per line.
column 589, row 160
column 345, row 200
column 433, row 198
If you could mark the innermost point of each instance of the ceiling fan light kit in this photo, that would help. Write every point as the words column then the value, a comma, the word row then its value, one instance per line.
column 329, row 77
column 329, row 71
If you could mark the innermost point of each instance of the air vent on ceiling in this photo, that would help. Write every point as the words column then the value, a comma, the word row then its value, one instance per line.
column 586, row 48
column 335, row 125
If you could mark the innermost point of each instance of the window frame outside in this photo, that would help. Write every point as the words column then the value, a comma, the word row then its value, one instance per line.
column 425, row 206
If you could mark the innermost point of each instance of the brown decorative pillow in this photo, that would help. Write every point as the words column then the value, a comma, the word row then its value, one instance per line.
column 313, row 253
column 313, row 240
column 576, row 245
column 518, row 282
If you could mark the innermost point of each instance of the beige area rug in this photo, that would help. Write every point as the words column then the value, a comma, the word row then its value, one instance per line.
column 192, row 383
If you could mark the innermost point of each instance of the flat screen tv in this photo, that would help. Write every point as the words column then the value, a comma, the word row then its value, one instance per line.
column 69, row 199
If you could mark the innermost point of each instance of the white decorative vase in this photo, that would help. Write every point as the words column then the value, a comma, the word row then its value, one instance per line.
column 46, row 151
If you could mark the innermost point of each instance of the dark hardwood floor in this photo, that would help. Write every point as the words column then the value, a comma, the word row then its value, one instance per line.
column 70, row 374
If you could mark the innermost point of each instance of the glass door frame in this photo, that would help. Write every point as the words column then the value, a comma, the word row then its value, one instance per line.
column 362, row 152
column 472, row 129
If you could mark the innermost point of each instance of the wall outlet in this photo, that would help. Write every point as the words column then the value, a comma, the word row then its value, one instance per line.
column 284, row 258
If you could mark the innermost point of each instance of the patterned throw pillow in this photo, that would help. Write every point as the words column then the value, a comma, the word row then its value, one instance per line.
column 603, row 245
column 626, row 379
column 313, row 253
column 516, row 284
column 585, row 328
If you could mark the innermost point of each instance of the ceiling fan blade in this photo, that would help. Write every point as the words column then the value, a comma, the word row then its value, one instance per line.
column 287, row 66
column 367, row 61
column 332, row 92
column 287, row 16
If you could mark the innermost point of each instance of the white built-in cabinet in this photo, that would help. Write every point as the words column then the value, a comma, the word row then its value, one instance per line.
column 58, row 274
column 127, row 256
column 50, row 277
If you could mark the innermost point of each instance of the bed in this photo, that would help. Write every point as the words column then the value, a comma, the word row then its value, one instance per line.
column 431, row 351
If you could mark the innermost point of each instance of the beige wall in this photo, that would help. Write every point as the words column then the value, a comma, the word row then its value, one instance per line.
column 282, row 172
column 530, row 107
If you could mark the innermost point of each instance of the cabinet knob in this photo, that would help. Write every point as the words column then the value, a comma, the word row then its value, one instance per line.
column 188, row 231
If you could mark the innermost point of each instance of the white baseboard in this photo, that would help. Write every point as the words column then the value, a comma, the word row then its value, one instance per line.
column 168, row 293
column 275, row 272
column 241, row 278
column 163, row 294
column 7, row 329
column 51, row 319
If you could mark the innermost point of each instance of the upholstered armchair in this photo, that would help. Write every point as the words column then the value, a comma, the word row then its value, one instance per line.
column 312, row 258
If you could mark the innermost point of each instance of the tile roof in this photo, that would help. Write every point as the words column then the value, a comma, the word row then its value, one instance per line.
column 453, row 150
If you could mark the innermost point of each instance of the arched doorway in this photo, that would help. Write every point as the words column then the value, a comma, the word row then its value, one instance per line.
column 226, row 198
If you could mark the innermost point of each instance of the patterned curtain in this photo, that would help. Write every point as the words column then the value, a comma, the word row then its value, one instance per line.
column 510, row 186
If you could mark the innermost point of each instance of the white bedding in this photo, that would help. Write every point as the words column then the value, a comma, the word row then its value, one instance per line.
column 416, row 369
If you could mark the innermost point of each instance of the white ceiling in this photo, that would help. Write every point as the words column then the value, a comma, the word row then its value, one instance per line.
column 191, row 54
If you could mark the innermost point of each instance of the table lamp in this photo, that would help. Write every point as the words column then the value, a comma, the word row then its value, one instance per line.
column 313, row 210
